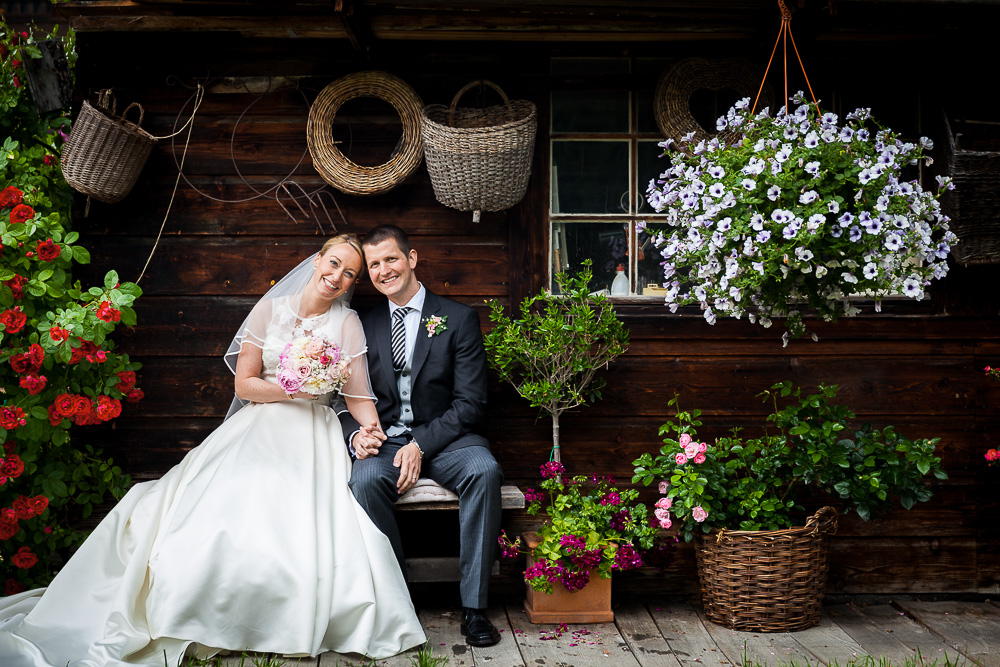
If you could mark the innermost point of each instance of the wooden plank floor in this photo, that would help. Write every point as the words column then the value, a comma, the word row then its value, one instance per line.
column 663, row 633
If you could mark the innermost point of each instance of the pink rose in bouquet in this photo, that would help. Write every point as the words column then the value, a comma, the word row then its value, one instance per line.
column 313, row 365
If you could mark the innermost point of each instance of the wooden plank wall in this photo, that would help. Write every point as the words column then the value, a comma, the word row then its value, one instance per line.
column 916, row 366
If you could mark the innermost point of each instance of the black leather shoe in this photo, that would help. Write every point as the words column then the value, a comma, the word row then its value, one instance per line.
column 477, row 628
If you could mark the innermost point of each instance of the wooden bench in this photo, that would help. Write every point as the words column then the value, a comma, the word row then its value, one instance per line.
column 429, row 495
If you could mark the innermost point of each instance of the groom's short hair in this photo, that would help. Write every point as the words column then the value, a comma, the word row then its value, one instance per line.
column 382, row 233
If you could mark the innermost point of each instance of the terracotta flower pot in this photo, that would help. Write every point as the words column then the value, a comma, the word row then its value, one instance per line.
column 590, row 604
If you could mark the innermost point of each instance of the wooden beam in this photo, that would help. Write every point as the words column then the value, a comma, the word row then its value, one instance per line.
column 314, row 27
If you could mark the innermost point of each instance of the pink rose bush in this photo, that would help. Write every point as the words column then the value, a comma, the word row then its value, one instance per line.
column 313, row 365
column 754, row 483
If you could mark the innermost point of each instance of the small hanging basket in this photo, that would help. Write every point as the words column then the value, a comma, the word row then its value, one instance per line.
column 479, row 159
column 766, row 580
column 104, row 153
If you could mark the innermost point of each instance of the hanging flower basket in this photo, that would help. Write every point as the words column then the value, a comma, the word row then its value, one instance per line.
column 479, row 159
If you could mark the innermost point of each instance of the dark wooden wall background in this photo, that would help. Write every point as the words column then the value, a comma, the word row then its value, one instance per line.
column 917, row 366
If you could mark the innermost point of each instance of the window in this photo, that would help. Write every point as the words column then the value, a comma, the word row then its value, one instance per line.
column 603, row 148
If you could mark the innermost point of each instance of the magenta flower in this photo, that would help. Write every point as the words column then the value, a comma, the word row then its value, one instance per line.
column 552, row 469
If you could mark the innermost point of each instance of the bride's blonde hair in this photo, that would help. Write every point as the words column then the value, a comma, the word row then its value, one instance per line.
column 349, row 239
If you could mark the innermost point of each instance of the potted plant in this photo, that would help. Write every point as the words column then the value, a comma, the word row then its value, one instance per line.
column 739, row 485
column 593, row 529
column 551, row 354
column 798, row 213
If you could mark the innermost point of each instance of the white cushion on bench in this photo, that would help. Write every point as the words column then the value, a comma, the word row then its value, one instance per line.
column 426, row 491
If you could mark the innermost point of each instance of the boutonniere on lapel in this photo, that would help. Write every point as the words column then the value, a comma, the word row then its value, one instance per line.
column 435, row 325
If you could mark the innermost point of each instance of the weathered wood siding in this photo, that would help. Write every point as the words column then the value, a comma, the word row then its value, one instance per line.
column 917, row 366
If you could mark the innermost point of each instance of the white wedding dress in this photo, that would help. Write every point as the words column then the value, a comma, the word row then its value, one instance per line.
column 252, row 542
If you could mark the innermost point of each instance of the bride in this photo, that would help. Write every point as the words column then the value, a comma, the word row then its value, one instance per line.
column 253, row 541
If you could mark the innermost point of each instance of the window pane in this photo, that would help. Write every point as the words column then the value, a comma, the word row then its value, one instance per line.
column 575, row 111
column 646, row 119
column 650, row 271
column 651, row 165
column 605, row 243
column 590, row 66
column 590, row 176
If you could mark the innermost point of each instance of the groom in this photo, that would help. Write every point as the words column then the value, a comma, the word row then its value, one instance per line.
column 428, row 373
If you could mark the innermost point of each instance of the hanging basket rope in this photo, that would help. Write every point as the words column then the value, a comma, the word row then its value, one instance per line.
column 336, row 168
column 784, row 36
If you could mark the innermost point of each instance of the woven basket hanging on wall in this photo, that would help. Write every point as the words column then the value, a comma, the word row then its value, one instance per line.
column 973, row 162
column 766, row 580
column 335, row 167
column 479, row 159
column 105, row 153
column 672, row 99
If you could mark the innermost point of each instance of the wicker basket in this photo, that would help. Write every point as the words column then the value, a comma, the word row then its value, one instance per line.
column 336, row 168
column 479, row 159
column 973, row 162
column 104, row 153
column 766, row 581
column 672, row 99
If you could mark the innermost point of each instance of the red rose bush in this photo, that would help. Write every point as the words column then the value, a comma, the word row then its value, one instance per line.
column 58, row 367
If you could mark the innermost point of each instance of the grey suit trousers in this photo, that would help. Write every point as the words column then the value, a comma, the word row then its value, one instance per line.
column 473, row 474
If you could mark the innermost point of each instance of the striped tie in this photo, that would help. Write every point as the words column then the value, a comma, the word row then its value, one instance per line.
column 399, row 338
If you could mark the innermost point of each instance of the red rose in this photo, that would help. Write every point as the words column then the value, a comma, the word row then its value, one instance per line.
column 11, row 418
column 17, row 82
column 13, row 319
column 24, row 558
column 86, row 418
column 23, row 508
column 13, row 587
column 49, row 160
column 85, row 350
column 108, row 408
column 126, row 380
column 83, row 404
column 12, row 466
column 38, row 504
column 135, row 396
column 54, row 417
column 47, row 250
column 8, row 527
column 36, row 355
column 108, row 313
column 16, row 285
column 65, row 405
column 33, row 383
column 14, row 63
column 10, row 197
column 58, row 334
column 20, row 363
column 21, row 213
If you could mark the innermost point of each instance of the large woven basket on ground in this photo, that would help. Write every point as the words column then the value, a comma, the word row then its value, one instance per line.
column 105, row 153
column 766, row 580
column 479, row 159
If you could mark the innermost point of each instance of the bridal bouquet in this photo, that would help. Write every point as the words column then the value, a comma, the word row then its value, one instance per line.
column 313, row 365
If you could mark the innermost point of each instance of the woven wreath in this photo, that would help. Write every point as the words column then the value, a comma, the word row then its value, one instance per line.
column 672, row 100
column 339, row 171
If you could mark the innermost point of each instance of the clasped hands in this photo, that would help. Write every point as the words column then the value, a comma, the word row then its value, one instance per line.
column 367, row 442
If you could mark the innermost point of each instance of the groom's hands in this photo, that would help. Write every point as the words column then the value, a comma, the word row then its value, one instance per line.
column 407, row 459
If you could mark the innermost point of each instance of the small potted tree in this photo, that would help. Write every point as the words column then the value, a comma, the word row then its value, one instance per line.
column 551, row 354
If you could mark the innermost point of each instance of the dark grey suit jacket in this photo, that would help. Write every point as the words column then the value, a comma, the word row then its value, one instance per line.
column 449, row 376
